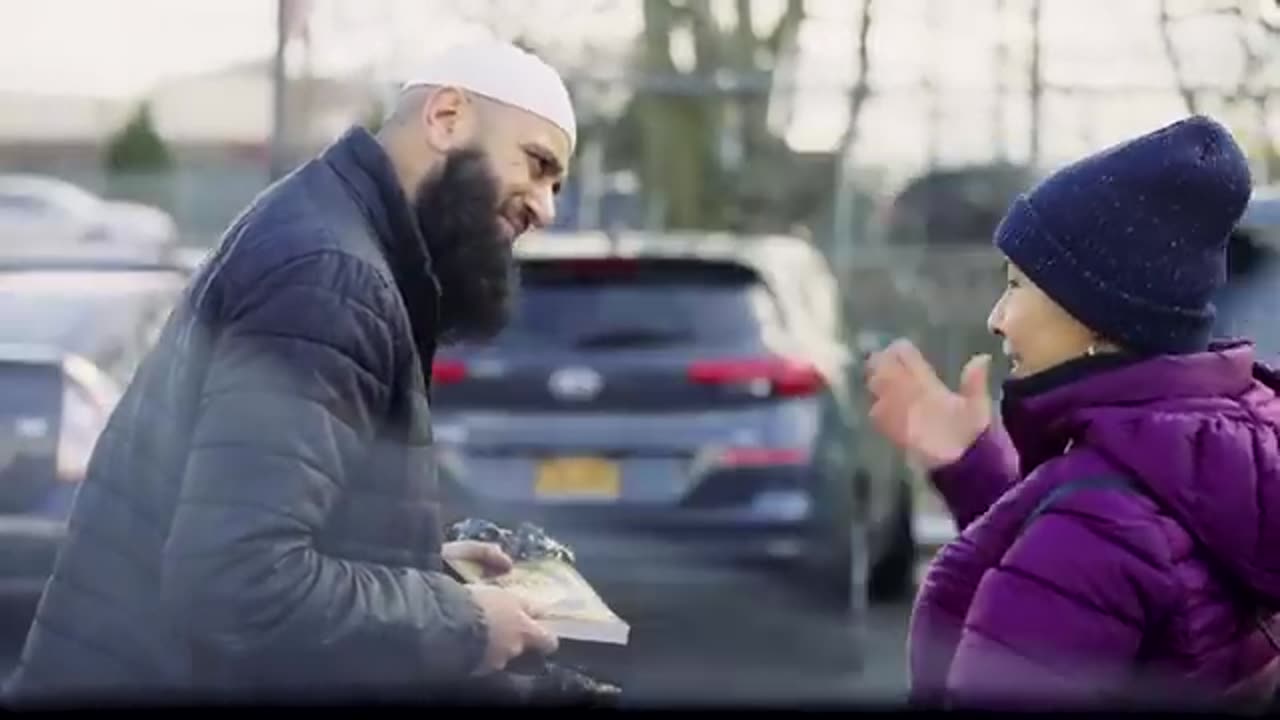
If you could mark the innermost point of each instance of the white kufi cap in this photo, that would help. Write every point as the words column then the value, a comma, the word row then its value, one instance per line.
column 505, row 73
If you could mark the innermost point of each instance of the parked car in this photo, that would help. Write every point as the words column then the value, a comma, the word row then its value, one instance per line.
column 686, row 389
column 952, row 205
column 140, row 223
column 40, row 215
column 1247, row 305
column 73, row 331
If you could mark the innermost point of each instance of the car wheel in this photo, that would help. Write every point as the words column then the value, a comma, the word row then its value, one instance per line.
column 894, row 576
column 840, row 563
column 838, row 580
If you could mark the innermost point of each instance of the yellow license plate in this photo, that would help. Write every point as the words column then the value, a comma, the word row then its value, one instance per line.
column 585, row 478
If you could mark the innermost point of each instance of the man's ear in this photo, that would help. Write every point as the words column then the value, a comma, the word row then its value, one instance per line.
column 448, row 118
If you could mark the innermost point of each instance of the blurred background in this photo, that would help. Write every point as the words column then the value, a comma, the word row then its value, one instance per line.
column 866, row 147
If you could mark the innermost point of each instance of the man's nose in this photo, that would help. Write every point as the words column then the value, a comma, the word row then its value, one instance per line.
column 542, row 207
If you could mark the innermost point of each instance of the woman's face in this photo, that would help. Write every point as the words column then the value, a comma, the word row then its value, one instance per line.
column 1038, row 334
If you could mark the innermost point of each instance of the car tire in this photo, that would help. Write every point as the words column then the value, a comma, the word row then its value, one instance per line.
column 893, row 578
column 833, row 580
column 838, row 577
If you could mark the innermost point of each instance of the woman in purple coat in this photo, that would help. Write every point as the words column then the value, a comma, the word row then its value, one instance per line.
column 1120, row 527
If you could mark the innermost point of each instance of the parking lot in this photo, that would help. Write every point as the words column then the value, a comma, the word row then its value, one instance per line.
column 746, row 637
column 716, row 635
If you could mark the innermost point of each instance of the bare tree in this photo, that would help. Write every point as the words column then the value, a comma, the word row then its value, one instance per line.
column 1258, row 37
column 1035, row 85
column 1257, row 40
column 1166, row 21
column 842, row 215
column 861, row 83
column 999, row 132
column 724, row 169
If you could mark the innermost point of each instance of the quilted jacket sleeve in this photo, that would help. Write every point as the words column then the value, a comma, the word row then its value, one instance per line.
column 975, row 481
column 293, row 388
column 1059, row 621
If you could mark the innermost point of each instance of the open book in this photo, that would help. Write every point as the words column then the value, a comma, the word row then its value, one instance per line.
column 570, row 607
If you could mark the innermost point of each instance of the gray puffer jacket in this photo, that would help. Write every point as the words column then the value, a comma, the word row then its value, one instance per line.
column 260, row 518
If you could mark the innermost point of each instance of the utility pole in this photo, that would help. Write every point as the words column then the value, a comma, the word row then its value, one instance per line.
column 999, row 133
column 842, row 215
column 591, row 173
column 933, row 82
column 279, row 84
column 1037, row 86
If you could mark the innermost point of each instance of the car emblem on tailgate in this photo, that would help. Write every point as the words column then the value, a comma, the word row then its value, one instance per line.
column 31, row 428
column 8, row 451
column 575, row 383
column 25, row 430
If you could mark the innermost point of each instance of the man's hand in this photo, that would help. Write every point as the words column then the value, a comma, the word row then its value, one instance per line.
column 512, row 629
column 488, row 556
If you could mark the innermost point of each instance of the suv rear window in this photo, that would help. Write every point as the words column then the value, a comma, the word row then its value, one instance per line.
column 628, row 303
column 1244, row 304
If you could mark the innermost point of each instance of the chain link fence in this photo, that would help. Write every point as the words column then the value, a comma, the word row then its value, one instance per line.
column 939, row 297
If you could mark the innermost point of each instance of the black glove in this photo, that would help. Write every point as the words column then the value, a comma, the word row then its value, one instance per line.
column 524, row 543
column 545, row 683
column 534, row 681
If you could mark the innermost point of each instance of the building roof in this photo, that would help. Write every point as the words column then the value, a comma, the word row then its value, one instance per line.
column 759, row 251
column 229, row 105
column 48, row 117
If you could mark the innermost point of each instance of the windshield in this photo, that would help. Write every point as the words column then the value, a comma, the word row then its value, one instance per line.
column 621, row 313
column 57, row 307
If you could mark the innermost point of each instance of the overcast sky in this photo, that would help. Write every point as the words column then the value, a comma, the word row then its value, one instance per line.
column 123, row 47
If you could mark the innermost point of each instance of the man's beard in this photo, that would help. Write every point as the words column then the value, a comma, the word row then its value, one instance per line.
column 457, row 212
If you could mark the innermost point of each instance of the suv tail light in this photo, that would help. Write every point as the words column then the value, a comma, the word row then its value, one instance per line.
column 88, row 397
column 744, row 457
column 766, row 377
column 81, row 423
column 448, row 372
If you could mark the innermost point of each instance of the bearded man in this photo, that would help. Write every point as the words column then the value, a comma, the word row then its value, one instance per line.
column 260, row 518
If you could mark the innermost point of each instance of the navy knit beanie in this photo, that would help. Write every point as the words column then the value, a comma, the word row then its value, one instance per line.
column 1132, row 241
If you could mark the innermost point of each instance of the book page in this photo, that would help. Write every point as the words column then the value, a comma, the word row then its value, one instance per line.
column 553, row 587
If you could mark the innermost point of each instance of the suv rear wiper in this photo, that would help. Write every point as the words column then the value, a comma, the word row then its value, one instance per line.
column 626, row 337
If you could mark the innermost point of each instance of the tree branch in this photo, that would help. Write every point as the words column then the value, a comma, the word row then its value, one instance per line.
column 658, row 22
column 1253, row 60
column 706, row 36
column 842, row 217
column 746, row 24
column 1175, row 62
column 861, row 86
column 786, row 27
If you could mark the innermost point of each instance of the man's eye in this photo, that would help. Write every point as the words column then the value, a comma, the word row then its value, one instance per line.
column 538, row 166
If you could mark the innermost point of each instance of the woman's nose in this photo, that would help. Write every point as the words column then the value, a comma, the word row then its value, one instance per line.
column 994, row 320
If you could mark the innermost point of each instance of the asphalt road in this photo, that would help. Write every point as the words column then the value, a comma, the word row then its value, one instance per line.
column 746, row 636
column 719, row 634
column 14, row 617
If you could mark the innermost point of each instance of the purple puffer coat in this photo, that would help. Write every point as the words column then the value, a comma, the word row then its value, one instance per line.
column 1111, row 594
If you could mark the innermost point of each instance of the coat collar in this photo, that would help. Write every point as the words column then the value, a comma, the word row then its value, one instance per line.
column 362, row 163
column 1044, row 413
